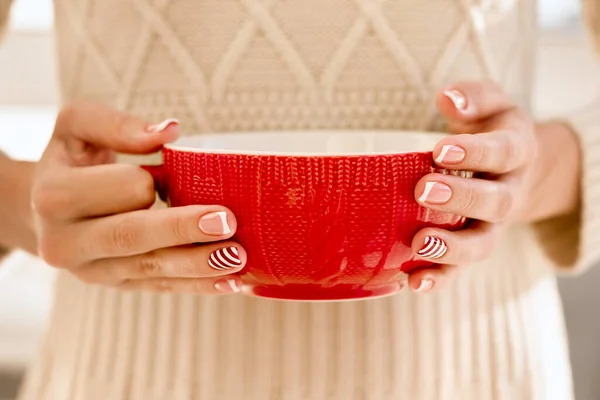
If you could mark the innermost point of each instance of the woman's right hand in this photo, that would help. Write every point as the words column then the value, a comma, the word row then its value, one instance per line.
column 93, row 216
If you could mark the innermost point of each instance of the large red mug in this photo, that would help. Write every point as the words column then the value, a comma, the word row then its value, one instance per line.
column 322, row 215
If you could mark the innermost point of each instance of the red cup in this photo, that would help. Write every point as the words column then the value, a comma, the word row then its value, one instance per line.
column 322, row 215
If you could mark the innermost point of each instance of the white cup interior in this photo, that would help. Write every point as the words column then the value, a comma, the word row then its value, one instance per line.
column 310, row 143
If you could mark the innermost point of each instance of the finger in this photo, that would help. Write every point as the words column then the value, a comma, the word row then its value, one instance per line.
column 431, row 279
column 496, row 152
column 83, row 125
column 92, row 192
column 472, row 101
column 139, row 232
column 485, row 200
column 133, row 233
column 210, row 286
column 204, row 261
column 472, row 244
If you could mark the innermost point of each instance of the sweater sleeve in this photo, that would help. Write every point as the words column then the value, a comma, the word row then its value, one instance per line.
column 573, row 241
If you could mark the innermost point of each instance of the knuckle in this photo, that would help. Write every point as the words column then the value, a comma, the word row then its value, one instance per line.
column 188, row 268
column 510, row 153
column 504, row 204
column 52, row 253
column 181, row 228
column 150, row 266
column 478, row 153
column 66, row 114
column 197, row 286
column 162, row 285
column 124, row 237
column 48, row 201
column 469, row 202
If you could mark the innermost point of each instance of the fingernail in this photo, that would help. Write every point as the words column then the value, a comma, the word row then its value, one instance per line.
column 436, row 193
column 451, row 154
column 458, row 98
column 215, row 224
column 227, row 286
column 426, row 285
column 225, row 258
column 433, row 247
column 162, row 126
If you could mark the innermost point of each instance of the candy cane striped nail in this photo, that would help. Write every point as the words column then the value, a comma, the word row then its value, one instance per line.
column 433, row 248
column 224, row 259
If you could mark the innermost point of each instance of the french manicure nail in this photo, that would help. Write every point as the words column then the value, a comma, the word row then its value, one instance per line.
column 436, row 193
column 458, row 99
column 215, row 224
column 433, row 247
column 451, row 154
column 227, row 286
column 162, row 126
column 426, row 285
column 225, row 258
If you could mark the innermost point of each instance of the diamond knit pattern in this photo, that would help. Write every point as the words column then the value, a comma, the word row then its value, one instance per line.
column 273, row 64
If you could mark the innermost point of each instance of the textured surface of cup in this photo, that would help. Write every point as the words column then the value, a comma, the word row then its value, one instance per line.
column 316, row 227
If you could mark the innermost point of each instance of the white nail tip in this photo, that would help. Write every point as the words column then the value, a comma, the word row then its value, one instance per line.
column 443, row 153
column 428, row 187
column 163, row 125
column 457, row 98
column 433, row 248
column 226, row 228
column 425, row 285
column 233, row 285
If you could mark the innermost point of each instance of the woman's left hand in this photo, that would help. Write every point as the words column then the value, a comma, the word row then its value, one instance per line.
column 493, row 138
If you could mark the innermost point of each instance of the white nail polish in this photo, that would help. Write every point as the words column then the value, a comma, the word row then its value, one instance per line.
column 426, row 284
column 233, row 285
column 443, row 153
column 459, row 100
column 428, row 187
column 162, row 126
column 226, row 228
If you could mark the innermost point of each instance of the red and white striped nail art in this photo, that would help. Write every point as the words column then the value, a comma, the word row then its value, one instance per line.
column 433, row 248
column 224, row 259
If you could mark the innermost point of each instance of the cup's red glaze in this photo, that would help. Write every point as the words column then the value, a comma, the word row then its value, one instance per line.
column 314, row 227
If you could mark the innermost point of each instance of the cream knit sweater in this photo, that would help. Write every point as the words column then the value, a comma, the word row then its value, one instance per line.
column 496, row 333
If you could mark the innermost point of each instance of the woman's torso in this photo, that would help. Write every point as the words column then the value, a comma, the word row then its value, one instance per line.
column 496, row 333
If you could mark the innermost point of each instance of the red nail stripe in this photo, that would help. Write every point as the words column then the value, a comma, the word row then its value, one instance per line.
column 433, row 248
column 224, row 259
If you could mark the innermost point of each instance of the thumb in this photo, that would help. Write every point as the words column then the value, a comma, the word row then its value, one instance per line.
column 84, row 125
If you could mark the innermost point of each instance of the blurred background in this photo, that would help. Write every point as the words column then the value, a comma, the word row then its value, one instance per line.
column 28, row 105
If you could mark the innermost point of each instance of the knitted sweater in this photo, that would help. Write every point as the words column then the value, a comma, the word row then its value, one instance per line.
column 496, row 332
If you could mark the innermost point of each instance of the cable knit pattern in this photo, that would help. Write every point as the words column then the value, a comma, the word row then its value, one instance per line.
column 496, row 333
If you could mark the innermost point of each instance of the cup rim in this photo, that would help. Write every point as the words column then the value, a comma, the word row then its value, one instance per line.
column 413, row 141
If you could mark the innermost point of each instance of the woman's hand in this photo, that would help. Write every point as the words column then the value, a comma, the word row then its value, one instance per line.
column 92, row 216
column 499, row 142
